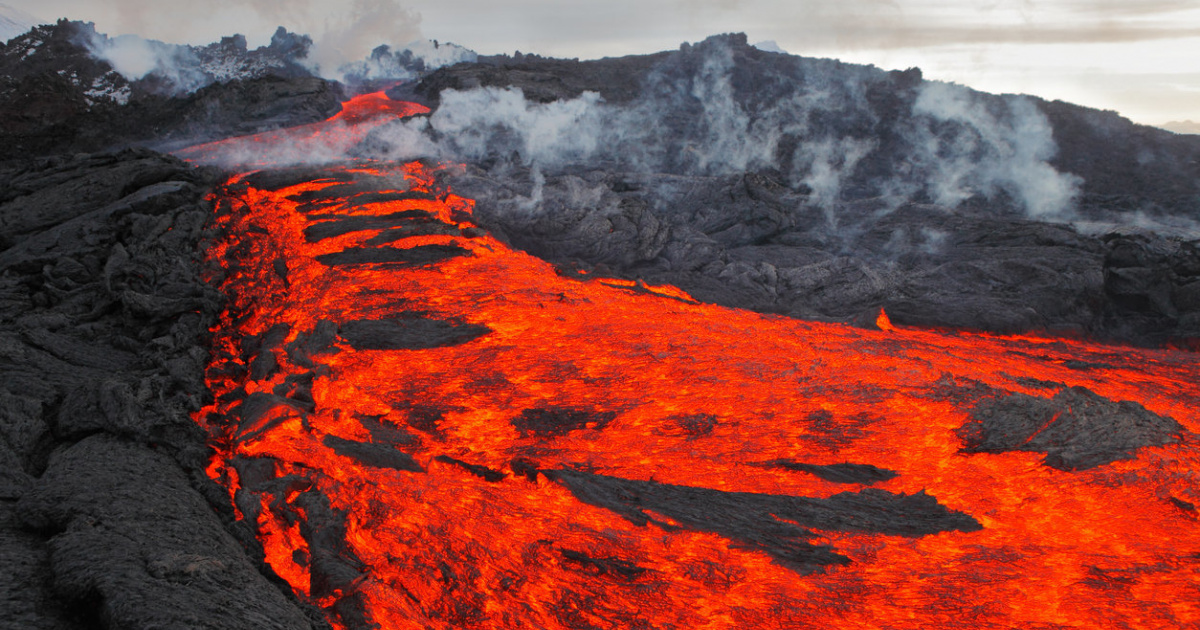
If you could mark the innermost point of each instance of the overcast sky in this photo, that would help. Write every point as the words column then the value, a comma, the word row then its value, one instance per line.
column 1138, row 57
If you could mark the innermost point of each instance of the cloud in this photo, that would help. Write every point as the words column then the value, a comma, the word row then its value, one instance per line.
column 569, row 28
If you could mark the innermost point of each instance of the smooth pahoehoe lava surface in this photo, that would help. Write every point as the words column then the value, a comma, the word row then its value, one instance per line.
column 428, row 428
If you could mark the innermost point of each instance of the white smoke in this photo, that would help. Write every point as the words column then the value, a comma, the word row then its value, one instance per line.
column 136, row 58
column 697, row 123
column 351, row 34
column 697, row 119
column 828, row 164
column 336, row 141
column 1005, row 151
column 655, row 133
column 340, row 53
column 725, row 143
column 472, row 123
column 386, row 64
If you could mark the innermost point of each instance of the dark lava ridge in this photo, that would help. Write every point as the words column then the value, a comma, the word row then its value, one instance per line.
column 407, row 331
column 774, row 524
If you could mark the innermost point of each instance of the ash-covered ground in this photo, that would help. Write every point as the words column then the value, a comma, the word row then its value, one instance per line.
column 747, row 178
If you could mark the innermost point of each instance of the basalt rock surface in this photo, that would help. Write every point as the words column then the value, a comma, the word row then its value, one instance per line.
column 773, row 524
column 1076, row 429
column 106, row 516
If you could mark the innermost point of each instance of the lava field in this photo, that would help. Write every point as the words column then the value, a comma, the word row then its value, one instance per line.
column 364, row 389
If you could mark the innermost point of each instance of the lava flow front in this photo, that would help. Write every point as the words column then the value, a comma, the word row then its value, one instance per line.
column 429, row 429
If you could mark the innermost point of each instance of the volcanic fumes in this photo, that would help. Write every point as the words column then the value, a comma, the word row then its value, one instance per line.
column 428, row 428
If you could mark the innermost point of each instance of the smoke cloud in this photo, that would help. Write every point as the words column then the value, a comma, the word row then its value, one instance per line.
column 987, row 153
column 826, row 165
column 701, row 115
column 387, row 64
column 349, row 36
column 472, row 124
column 694, row 119
column 135, row 58
column 340, row 53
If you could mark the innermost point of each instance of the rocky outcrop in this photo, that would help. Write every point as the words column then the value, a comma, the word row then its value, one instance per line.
column 1121, row 166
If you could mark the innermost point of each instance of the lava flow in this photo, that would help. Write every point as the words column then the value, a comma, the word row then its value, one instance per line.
column 428, row 429
column 327, row 139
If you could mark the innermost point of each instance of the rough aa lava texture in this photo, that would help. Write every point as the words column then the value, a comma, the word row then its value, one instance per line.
column 106, row 516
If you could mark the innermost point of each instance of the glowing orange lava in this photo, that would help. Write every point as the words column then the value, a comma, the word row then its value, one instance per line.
column 385, row 366
column 327, row 139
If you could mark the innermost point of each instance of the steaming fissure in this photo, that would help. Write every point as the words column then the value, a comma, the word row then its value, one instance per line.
column 428, row 428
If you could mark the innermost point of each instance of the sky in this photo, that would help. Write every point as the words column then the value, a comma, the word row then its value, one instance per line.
column 1137, row 57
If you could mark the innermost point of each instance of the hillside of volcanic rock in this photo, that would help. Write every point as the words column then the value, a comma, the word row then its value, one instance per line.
column 590, row 345
column 58, row 97
column 825, row 190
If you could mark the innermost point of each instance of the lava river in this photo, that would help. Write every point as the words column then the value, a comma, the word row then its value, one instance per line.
column 429, row 429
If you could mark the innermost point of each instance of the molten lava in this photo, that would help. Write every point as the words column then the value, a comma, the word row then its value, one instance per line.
column 429, row 429
column 328, row 139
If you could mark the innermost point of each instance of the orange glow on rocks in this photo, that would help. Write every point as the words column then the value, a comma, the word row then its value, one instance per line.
column 432, row 430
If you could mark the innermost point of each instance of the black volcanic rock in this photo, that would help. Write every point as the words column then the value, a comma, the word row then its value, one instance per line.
column 1076, row 429
column 839, row 210
column 483, row 472
column 415, row 222
column 135, row 542
column 549, row 422
column 393, row 256
column 106, row 515
column 774, row 524
column 372, row 455
column 838, row 473
column 407, row 331
column 734, row 242
column 544, row 79
column 1124, row 165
